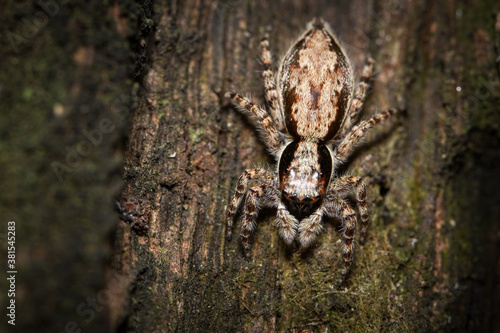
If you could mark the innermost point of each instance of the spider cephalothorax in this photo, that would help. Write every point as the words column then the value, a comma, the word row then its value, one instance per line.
column 309, row 130
column 304, row 171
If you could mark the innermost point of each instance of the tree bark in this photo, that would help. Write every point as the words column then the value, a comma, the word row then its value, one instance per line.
column 431, row 258
column 430, row 262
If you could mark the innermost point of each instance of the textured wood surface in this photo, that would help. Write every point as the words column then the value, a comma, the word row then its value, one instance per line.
column 431, row 258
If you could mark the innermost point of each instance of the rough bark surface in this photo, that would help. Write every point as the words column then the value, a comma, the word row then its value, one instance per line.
column 420, row 268
column 431, row 260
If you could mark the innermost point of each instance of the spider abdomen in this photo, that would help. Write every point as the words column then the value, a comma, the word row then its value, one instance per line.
column 315, row 85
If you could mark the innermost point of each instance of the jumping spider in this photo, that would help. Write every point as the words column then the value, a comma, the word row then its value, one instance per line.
column 310, row 130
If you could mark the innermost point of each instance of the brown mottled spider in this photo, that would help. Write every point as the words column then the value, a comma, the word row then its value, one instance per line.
column 310, row 130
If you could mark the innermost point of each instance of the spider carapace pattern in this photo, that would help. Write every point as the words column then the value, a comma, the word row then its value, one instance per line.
column 310, row 128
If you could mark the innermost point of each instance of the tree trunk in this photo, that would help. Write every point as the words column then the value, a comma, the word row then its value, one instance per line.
column 431, row 259
column 425, row 264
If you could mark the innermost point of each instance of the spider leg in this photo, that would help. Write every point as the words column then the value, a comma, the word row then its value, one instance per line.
column 260, row 175
column 265, row 123
column 359, row 97
column 270, row 85
column 286, row 223
column 256, row 197
column 352, row 184
column 250, row 211
column 310, row 227
column 340, row 208
column 345, row 148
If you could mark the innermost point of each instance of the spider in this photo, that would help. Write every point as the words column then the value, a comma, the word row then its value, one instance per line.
column 310, row 130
